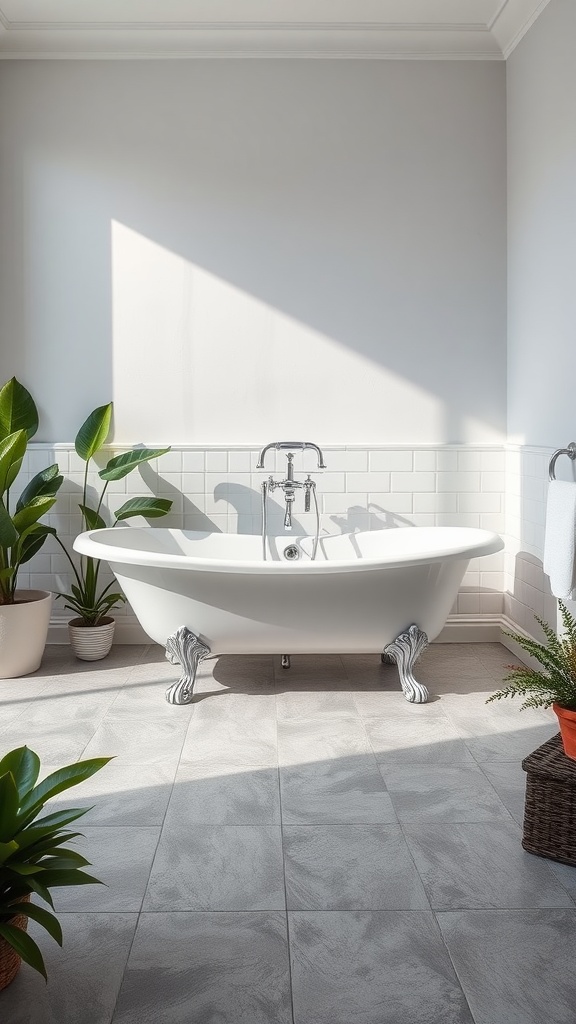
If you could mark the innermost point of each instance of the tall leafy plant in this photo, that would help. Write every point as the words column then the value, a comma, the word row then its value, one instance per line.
column 87, row 598
column 33, row 858
column 21, row 532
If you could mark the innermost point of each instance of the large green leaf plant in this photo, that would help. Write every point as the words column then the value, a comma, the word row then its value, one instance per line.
column 33, row 858
column 21, row 532
column 87, row 598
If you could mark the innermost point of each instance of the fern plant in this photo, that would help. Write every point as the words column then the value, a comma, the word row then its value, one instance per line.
column 556, row 683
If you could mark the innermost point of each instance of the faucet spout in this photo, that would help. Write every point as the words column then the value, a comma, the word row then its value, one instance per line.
column 291, row 446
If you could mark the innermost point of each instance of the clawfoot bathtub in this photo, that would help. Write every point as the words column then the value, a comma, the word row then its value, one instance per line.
column 200, row 594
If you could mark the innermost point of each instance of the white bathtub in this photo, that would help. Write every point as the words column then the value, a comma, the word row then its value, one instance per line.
column 359, row 595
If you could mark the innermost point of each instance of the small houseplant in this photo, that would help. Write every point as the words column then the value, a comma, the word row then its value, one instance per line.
column 555, row 684
column 92, row 630
column 33, row 858
column 24, row 615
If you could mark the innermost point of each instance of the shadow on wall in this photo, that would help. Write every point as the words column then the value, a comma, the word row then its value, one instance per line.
column 531, row 596
column 321, row 192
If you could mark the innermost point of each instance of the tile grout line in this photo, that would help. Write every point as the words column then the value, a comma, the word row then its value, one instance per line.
column 139, row 913
column 288, row 943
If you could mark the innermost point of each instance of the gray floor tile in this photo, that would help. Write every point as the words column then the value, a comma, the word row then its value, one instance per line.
column 66, row 709
column 237, row 671
column 516, row 967
column 322, row 739
column 509, row 781
column 318, row 670
column 350, row 867
column 235, row 706
column 346, row 790
column 448, row 793
column 378, row 968
column 217, row 867
column 207, row 969
column 403, row 738
column 367, row 672
column 214, row 947
column 214, row 795
column 374, row 702
column 56, row 743
column 499, row 731
column 147, row 697
column 231, row 742
column 139, row 740
column 301, row 702
column 566, row 875
column 121, row 794
column 84, row 977
column 121, row 858
column 481, row 865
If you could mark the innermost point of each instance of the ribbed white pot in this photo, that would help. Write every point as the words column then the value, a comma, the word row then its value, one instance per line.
column 91, row 643
column 23, row 632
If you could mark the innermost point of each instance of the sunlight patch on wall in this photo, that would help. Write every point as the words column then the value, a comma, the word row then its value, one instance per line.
column 199, row 361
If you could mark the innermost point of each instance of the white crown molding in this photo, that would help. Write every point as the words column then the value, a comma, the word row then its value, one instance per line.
column 512, row 21
column 164, row 39
column 242, row 40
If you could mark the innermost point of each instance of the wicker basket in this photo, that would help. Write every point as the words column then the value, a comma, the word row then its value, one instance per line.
column 550, row 808
column 10, row 961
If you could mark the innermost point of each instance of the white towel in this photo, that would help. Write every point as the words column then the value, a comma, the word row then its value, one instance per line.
column 560, row 539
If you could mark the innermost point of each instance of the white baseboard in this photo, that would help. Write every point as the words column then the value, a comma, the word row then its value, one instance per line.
column 128, row 631
column 459, row 629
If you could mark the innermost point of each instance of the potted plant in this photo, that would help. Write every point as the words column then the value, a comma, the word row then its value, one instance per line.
column 555, row 685
column 33, row 858
column 24, row 615
column 92, row 630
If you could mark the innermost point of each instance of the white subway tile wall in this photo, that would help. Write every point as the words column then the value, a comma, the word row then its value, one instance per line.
column 361, row 488
column 498, row 488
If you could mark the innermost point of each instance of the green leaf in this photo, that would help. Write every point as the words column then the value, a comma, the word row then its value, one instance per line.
column 8, row 534
column 60, row 780
column 70, row 861
column 6, row 850
column 17, row 410
column 44, row 484
column 42, row 917
column 71, row 877
column 59, row 819
column 121, row 465
column 93, row 520
column 41, row 890
column 151, row 508
column 25, row 767
column 32, row 512
column 12, row 451
column 33, row 540
column 9, row 803
column 93, row 432
column 24, row 946
column 49, row 846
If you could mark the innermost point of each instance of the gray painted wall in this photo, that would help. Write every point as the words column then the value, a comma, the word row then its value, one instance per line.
column 237, row 250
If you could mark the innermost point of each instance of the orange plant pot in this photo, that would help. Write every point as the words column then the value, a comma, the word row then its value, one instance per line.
column 567, row 722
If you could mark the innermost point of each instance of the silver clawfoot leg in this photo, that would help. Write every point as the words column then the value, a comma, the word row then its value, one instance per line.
column 186, row 649
column 404, row 650
column 285, row 661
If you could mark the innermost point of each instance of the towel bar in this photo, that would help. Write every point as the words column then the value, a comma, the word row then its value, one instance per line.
column 570, row 451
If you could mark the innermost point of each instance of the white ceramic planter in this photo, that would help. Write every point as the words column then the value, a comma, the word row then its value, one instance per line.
column 91, row 643
column 23, row 632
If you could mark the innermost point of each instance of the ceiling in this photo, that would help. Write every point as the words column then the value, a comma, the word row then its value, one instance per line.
column 370, row 29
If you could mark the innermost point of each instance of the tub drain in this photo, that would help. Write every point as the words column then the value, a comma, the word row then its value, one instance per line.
column 291, row 553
